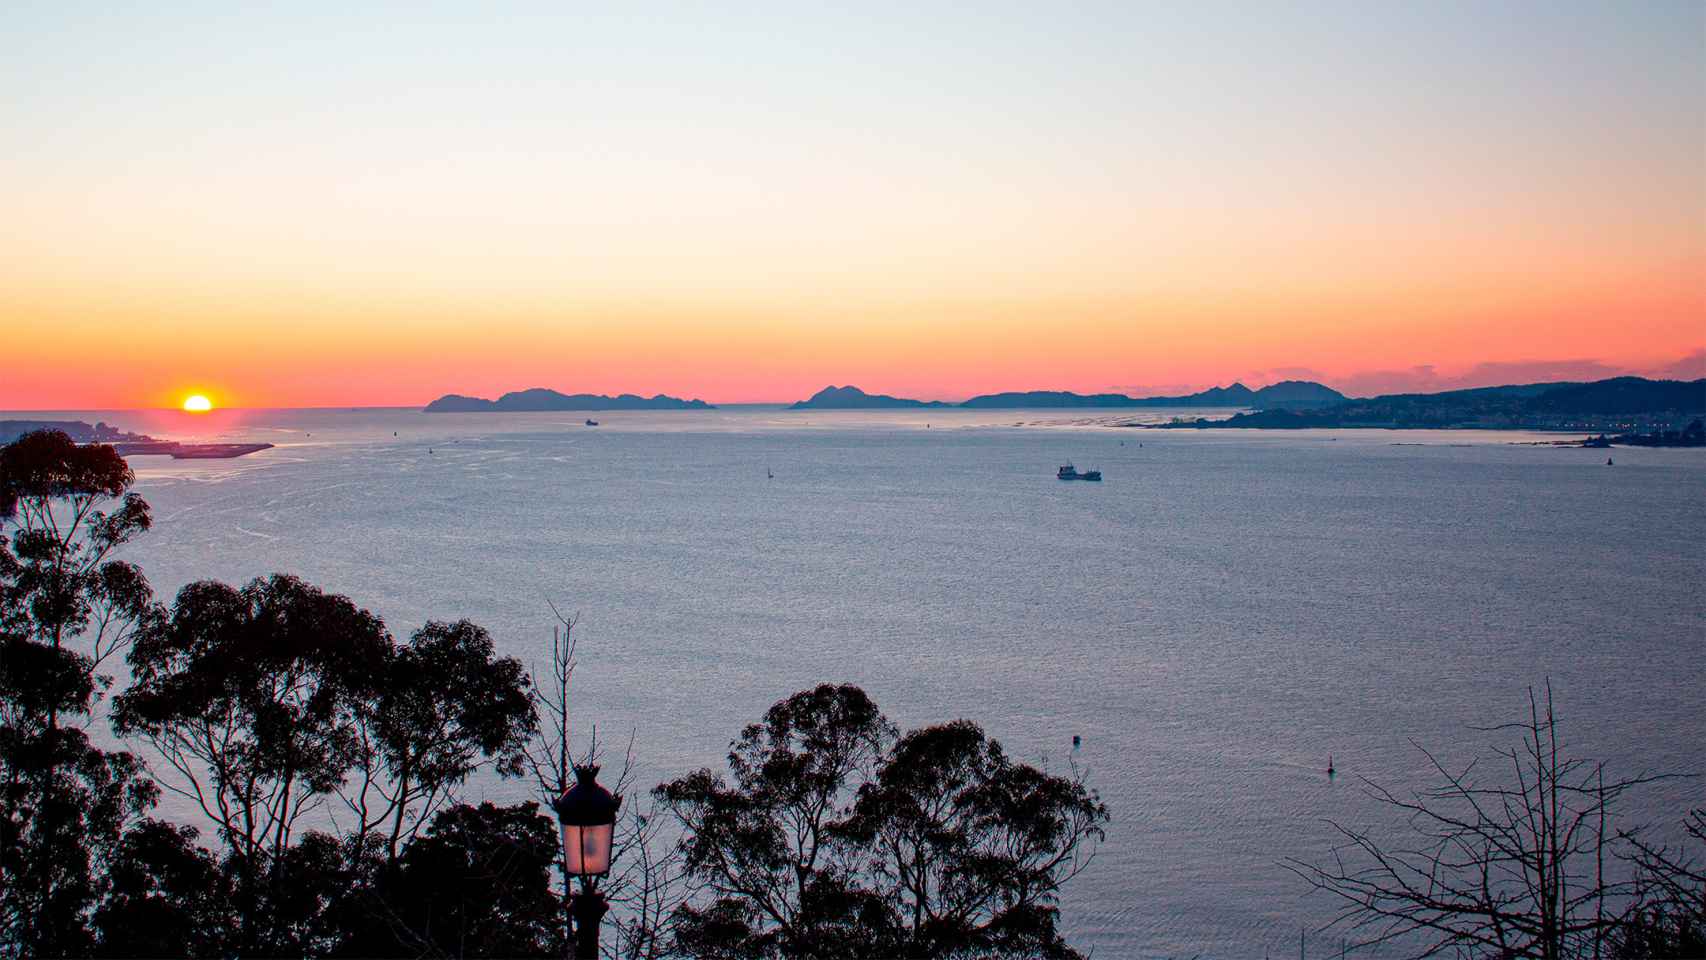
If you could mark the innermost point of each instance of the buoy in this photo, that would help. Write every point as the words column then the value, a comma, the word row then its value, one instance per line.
column 1077, row 740
column 1329, row 764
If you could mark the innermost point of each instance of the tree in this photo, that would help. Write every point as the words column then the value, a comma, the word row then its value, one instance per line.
column 265, row 700
column 643, row 887
column 774, row 875
column 66, row 607
column 169, row 897
column 252, row 696
column 1518, row 867
column 445, row 707
column 834, row 839
column 1669, row 916
column 476, row 883
column 971, row 848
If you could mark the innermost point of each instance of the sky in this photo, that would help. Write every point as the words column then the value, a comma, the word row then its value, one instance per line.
column 309, row 205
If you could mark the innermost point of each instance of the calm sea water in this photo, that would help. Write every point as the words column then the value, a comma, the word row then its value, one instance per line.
column 1218, row 616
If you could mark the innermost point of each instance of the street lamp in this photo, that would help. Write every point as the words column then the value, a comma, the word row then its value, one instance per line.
column 587, row 814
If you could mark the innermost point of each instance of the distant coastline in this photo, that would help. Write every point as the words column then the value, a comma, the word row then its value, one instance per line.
column 1621, row 406
column 1625, row 405
column 129, row 444
column 1288, row 394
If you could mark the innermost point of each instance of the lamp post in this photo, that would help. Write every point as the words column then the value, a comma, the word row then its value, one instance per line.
column 587, row 814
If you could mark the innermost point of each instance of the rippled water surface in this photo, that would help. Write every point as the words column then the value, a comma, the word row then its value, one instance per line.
column 1218, row 616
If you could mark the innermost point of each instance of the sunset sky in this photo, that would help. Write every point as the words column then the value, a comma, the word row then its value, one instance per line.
column 306, row 206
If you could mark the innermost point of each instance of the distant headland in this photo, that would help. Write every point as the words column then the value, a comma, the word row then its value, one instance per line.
column 129, row 444
column 540, row 399
column 1622, row 404
column 1289, row 394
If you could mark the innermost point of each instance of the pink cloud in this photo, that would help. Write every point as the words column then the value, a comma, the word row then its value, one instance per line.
column 1427, row 378
column 1691, row 367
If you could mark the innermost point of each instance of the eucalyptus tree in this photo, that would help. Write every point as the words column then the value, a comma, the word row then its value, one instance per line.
column 834, row 838
column 970, row 848
column 67, row 606
column 269, row 700
column 251, row 697
column 475, row 882
column 446, row 706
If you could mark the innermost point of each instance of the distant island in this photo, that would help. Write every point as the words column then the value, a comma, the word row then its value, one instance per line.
column 540, row 399
column 1289, row 394
column 129, row 444
column 853, row 398
column 1624, row 404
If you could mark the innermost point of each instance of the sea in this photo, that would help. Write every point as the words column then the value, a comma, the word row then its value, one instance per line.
column 1221, row 615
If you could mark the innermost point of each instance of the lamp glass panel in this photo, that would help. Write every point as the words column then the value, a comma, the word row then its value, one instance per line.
column 595, row 848
column 572, row 849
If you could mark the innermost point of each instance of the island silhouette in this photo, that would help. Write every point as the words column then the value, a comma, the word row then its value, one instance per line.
column 541, row 399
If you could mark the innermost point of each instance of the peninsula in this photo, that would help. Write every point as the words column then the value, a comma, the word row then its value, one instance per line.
column 540, row 399
column 129, row 444
column 1288, row 395
column 1621, row 404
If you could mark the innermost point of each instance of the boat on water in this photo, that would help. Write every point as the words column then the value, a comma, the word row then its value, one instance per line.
column 1069, row 472
column 591, row 422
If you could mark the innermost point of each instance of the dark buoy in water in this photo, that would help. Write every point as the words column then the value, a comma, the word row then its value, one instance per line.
column 1077, row 741
column 1608, row 461
column 1330, row 765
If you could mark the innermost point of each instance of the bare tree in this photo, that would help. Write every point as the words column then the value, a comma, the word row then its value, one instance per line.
column 1517, row 867
column 1669, row 917
column 643, row 887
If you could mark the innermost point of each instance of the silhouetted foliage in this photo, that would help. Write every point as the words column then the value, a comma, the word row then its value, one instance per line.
column 264, row 700
column 834, row 839
column 251, row 696
column 445, row 705
column 65, row 609
column 970, row 847
column 1669, row 917
column 169, row 897
column 475, row 883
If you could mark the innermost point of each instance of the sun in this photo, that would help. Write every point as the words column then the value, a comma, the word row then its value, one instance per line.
column 196, row 403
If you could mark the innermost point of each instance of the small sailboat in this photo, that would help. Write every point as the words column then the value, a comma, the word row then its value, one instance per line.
column 1330, row 770
column 768, row 475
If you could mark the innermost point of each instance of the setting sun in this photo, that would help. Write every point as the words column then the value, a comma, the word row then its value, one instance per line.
column 197, row 404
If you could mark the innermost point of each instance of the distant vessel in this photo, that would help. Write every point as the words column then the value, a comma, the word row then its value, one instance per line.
column 591, row 422
column 768, row 475
column 1068, row 472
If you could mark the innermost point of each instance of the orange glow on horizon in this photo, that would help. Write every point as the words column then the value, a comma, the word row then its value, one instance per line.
column 931, row 203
